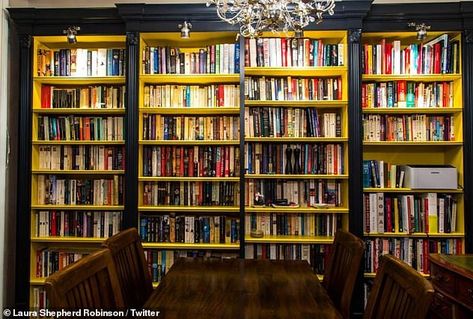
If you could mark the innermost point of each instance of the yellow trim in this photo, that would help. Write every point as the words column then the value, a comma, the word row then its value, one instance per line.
column 190, row 110
column 55, row 142
column 79, row 172
column 410, row 190
column 187, row 179
column 402, row 110
column 332, row 71
column 79, row 80
column 416, row 235
column 411, row 77
column 289, row 240
column 223, row 209
column 77, row 207
column 189, row 142
column 298, row 210
column 297, row 139
column 296, row 176
column 190, row 246
column 411, row 143
column 190, row 78
column 79, row 111
column 318, row 104
column 67, row 239
column 34, row 281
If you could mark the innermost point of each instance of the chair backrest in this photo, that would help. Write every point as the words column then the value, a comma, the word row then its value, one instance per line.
column 399, row 292
column 342, row 270
column 132, row 269
column 91, row 282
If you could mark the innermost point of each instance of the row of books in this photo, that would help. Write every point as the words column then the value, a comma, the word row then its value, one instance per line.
column 81, row 157
column 308, row 193
column 39, row 299
column 294, row 224
column 267, row 158
column 190, row 194
column 192, row 161
column 413, row 251
column 83, row 224
column 223, row 58
column 406, row 94
column 380, row 174
column 53, row 190
column 291, row 122
column 80, row 128
column 440, row 55
column 85, row 97
column 315, row 255
column 81, row 62
column 190, row 128
column 293, row 89
column 51, row 260
column 214, row 95
column 292, row 52
column 174, row 228
column 160, row 261
column 418, row 127
column 409, row 213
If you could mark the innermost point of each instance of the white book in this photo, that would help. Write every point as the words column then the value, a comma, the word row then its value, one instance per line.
column 102, row 62
column 341, row 54
column 373, row 200
column 380, row 211
column 396, row 57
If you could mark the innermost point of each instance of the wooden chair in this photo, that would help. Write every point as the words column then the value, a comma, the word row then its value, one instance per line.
column 342, row 270
column 91, row 282
column 399, row 292
column 132, row 269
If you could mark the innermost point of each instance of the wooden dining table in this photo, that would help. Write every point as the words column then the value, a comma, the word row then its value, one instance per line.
column 243, row 289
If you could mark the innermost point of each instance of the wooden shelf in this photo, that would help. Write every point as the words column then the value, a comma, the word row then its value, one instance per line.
column 411, row 77
column 373, row 274
column 77, row 207
column 66, row 80
column 190, row 78
column 410, row 190
column 179, row 142
column 79, row 111
column 55, row 142
column 297, row 139
column 67, row 239
column 317, row 104
column 412, row 110
column 191, row 246
column 294, row 176
column 186, row 209
column 79, row 172
column 331, row 71
column 290, row 240
column 190, row 110
column 298, row 210
column 187, row 179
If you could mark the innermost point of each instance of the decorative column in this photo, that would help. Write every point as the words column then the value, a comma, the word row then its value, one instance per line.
column 130, row 217
column 467, row 72
column 355, row 155
column 23, row 224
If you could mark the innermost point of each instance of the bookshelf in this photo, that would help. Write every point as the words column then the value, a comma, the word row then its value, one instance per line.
column 189, row 147
column 296, row 145
column 422, row 89
column 77, row 156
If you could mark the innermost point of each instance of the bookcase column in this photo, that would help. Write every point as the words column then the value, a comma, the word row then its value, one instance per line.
column 354, row 132
column 24, row 174
column 130, row 218
column 468, row 135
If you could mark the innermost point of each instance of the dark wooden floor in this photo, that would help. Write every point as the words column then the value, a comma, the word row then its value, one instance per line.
column 241, row 289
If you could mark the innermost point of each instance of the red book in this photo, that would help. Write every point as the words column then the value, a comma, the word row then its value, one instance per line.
column 383, row 56
column 388, row 58
column 226, row 154
column 221, row 97
column 284, row 51
column 46, row 96
column 425, row 249
column 420, row 60
column 52, row 224
column 86, row 129
column 247, row 52
column 437, row 49
column 181, row 171
column 191, row 162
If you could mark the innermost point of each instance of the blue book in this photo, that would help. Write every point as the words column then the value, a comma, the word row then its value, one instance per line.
column 366, row 174
column 237, row 57
column 109, row 61
column 156, row 61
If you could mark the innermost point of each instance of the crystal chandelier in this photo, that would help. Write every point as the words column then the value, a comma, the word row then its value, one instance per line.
column 256, row 16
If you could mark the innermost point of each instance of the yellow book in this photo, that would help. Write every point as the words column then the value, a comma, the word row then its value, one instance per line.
column 396, row 214
column 432, row 211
